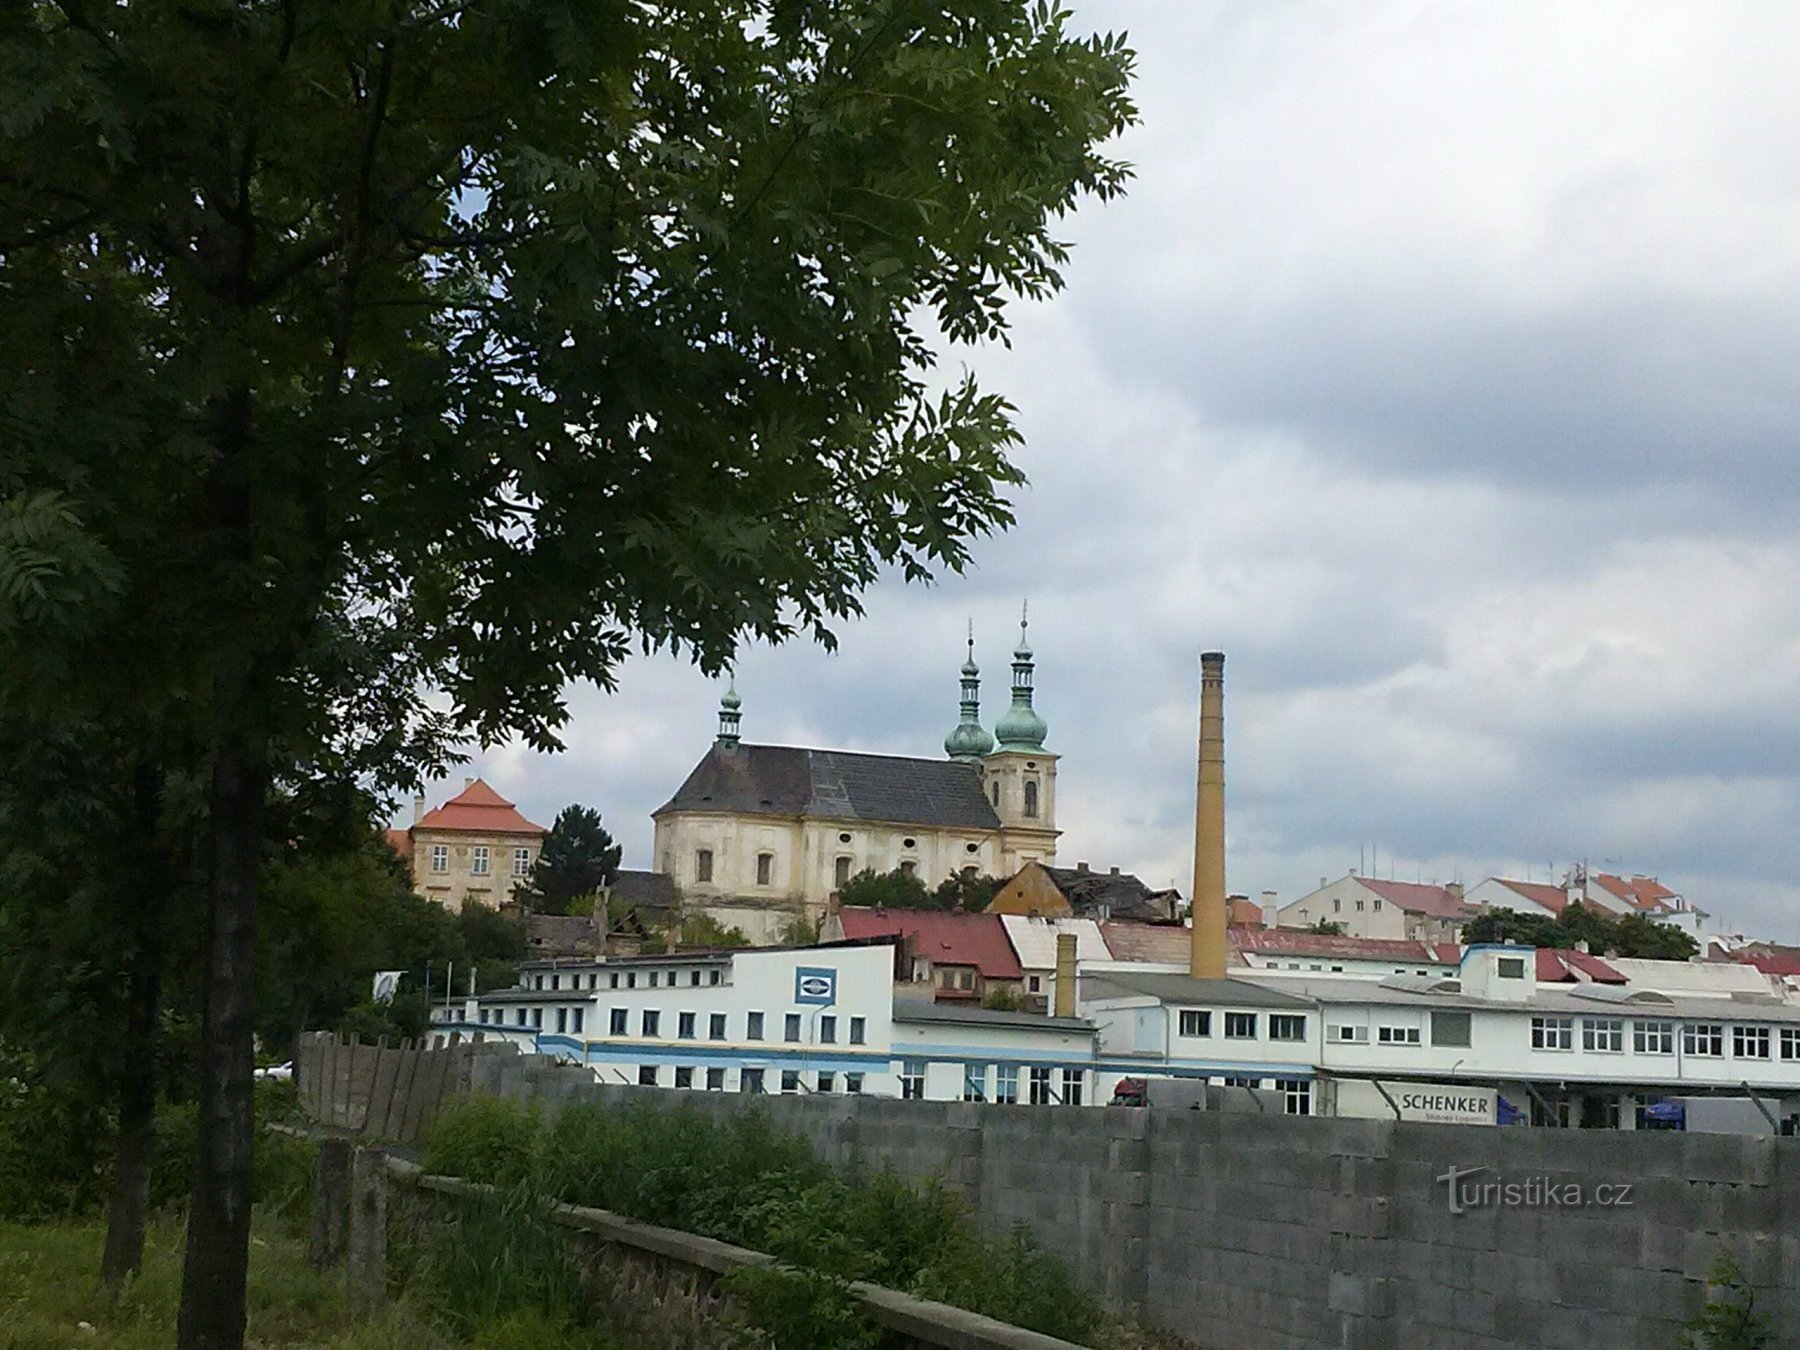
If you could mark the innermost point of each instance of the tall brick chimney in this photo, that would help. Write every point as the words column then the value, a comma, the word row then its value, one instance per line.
column 1206, row 956
column 1065, row 975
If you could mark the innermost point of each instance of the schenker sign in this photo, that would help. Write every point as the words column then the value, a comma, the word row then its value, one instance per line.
column 1443, row 1105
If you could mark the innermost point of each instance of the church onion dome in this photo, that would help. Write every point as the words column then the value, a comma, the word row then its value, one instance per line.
column 1020, row 727
column 969, row 740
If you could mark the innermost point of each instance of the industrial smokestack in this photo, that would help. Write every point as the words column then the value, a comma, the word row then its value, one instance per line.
column 1206, row 957
column 1065, row 975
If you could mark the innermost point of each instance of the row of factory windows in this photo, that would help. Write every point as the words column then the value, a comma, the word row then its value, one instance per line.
column 625, row 979
column 573, row 1022
column 480, row 857
column 1242, row 1026
column 713, row 1079
column 1700, row 1040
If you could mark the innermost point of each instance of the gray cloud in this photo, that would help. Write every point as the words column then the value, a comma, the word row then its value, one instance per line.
column 1438, row 370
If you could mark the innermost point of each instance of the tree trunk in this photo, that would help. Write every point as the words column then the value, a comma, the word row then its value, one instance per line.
column 136, row 1152
column 218, row 1234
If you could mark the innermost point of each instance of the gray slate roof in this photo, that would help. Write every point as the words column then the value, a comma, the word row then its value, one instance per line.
column 644, row 890
column 785, row 780
column 917, row 1010
column 1186, row 989
column 1113, row 895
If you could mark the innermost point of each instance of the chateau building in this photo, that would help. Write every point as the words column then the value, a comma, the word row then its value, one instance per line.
column 474, row 849
column 760, row 834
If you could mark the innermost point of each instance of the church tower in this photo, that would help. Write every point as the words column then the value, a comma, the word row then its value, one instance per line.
column 969, row 741
column 1019, row 774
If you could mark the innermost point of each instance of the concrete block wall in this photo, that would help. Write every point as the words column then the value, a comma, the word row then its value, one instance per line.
column 1236, row 1230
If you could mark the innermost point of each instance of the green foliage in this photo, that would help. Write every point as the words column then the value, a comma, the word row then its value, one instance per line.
column 702, row 930
column 798, row 1308
column 1630, row 936
column 738, row 1180
column 797, row 931
column 501, row 1259
column 971, row 892
column 52, row 1139
column 1327, row 928
column 1729, row 1321
column 885, row 890
column 578, row 857
column 1004, row 998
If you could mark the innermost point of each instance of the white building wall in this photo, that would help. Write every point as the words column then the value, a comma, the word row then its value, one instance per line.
column 1348, row 902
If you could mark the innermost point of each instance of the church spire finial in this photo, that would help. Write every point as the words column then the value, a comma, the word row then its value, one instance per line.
column 1021, row 728
column 729, row 716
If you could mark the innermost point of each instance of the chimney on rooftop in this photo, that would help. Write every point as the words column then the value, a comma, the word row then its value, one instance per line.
column 1065, row 975
column 1206, row 939
column 1114, row 871
column 418, row 807
column 1081, row 867
column 468, row 782
column 1454, row 888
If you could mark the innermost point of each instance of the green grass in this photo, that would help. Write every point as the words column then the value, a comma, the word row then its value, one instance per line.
column 48, row 1292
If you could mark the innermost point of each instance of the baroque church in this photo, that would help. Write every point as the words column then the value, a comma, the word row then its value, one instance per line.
column 760, row 834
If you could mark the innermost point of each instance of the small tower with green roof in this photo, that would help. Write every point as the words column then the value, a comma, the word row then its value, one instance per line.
column 728, row 717
column 969, row 740
column 1019, row 774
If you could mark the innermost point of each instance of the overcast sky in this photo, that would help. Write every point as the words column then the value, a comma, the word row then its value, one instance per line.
column 1440, row 369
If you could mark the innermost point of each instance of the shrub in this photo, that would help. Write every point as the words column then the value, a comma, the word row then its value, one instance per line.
column 504, row 1259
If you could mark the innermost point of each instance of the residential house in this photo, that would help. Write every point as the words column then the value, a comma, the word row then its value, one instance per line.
column 474, row 849
column 1373, row 908
column 1079, row 892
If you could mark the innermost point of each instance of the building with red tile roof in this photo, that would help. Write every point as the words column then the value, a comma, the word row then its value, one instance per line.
column 958, row 956
column 1373, row 908
column 474, row 849
column 1527, row 897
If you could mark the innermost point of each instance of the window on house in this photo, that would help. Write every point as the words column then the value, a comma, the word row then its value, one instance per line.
column 440, row 857
column 1450, row 1028
column 1195, row 1022
column 715, row 1080
column 1040, row 1085
column 1552, row 1033
column 790, row 1080
column 647, row 1075
column 1377, row 908
column 537, row 1019
column 684, row 1076
column 974, row 1083
column 753, row 1026
column 1296, row 1095
column 478, row 860
column 996, row 794
column 1653, row 1038
column 827, row 1082
column 1287, row 1027
column 1704, row 1039
column 1337, row 906
column 1603, row 1034
column 1239, row 1081
column 1359, row 906
column 521, row 862
column 715, row 1027
column 1006, row 1084
column 1355, row 1035
column 713, row 976
column 631, row 979
column 857, row 1026
column 1790, row 1042
column 912, row 1079
column 703, row 868
column 519, row 1017
column 1240, row 1026
column 652, row 1022
column 827, row 1030
column 684, row 1026
column 1031, row 794
column 1510, row 967
column 1071, row 1086
column 1750, row 1042
column 562, row 1021
column 853, row 1083
column 655, row 976
column 1034, row 983
column 841, row 874
column 750, row 1080
column 791, row 1028
column 1397, row 1035
column 613, row 979
column 765, row 869
column 576, row 1017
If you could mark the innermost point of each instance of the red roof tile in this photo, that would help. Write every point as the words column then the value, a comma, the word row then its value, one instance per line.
column 1594, row 968
column 1559, row 966
column 1300, row 942
column 1552, row 969
column 1432, row 901
column 1541, row 893
column 478, row 809
column 400, row 841
column 1245, row 914
column 1163, row 944
column 1645, row 893
column 944, row 937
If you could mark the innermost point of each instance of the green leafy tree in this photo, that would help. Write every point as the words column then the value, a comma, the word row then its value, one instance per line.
column 966, row 891
column 1327, row 928
column 577, row 859
column 1633, row 935
column 519, row 331
column 885, row 890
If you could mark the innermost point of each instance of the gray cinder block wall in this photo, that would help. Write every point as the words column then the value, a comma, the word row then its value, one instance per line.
column 1237, row 1230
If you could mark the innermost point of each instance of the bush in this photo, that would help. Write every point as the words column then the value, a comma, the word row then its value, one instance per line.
column 742, row 1182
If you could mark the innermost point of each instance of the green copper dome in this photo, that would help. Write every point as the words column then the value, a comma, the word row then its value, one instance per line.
column 969, row 739
column 1020, row 727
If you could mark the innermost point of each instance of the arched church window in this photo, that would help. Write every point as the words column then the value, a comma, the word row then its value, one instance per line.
column 1030, row 797
column 841, row 878
column 996, row 794
column 703, row 864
